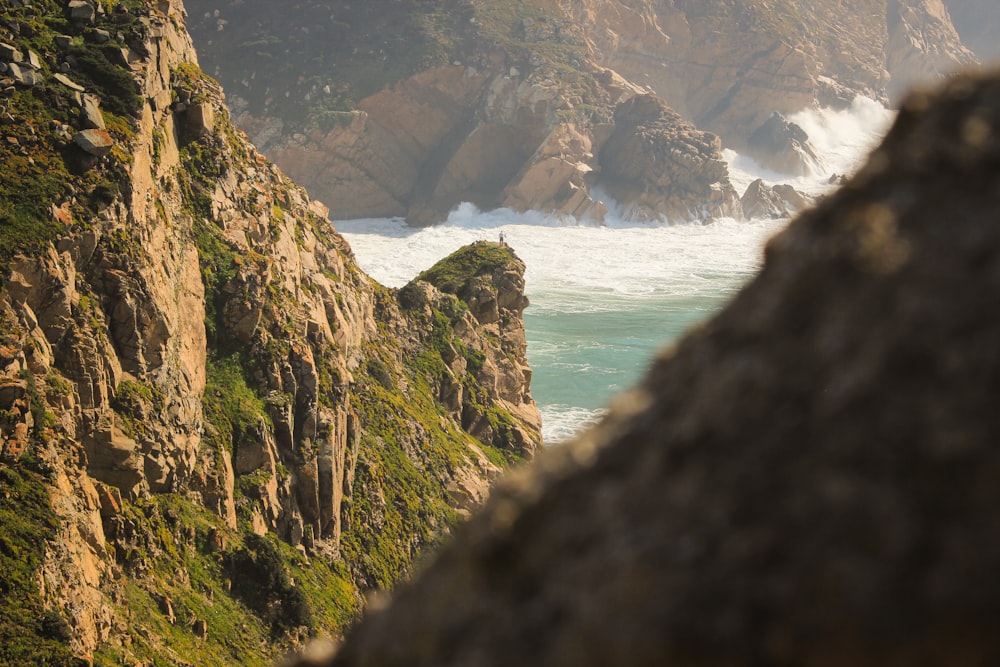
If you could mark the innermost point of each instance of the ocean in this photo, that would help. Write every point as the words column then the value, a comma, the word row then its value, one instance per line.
column 605, row 298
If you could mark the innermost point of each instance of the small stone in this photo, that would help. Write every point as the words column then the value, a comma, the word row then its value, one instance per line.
column 10, row 54
column 101, row 36
column 63, row 42
column 68, row 82
column 34, row 61
column 62, row 214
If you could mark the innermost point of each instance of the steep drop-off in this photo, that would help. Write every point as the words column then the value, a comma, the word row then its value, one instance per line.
column 414, row 107
column 230, row 431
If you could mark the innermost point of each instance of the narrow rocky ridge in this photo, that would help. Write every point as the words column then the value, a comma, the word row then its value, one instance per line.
column 240, row 432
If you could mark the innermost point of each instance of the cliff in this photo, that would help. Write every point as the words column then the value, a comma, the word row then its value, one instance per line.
column 518, row 103
column 229, row 432
column 808, row 479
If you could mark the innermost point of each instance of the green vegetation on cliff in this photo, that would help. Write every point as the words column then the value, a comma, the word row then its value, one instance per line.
column 43, row 169
column 453, row 273
column 321, row 460
column 308, row 62
column 341, row 54
column 30, row 634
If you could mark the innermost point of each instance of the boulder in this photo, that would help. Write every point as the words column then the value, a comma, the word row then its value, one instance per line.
column 82, row 11
column 764, row 201
column 10, row 53
column 811, row 478
column 90, row 113
column 782, row 146
column 69, row 83
column 199, row 119
column 23, row 75
column 96, row 142
column 663, row 167
column 760, row 201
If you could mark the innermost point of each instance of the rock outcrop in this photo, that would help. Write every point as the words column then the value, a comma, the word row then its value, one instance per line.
column 661, row 167
column 808, row 479
column 410, row 111
column 783, row 146
column 780, row 201
column 200, row 373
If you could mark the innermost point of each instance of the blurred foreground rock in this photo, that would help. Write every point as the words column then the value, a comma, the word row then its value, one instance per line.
column 812, row 478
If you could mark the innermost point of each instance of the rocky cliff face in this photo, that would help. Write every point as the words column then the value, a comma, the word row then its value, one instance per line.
column 512, row 103
column 196, row 366
column 806, row 480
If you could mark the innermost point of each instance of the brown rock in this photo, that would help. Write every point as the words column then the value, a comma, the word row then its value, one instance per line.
column 760, row 201
column 96, row 142
column 809, row 479
column 782, row 146
column 657, row 165
column 199, row 119
column 763, row 201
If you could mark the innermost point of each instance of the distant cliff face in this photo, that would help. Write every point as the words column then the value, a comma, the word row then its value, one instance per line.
column 727, row 66
column 234, row 426
column 502, row 103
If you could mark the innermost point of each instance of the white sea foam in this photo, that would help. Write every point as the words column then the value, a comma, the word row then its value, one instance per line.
column 842, row 139
column 605, row 298
column 602, row 298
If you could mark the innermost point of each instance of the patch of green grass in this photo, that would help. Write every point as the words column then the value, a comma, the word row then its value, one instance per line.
column 261, row 579
column 229, row 403
column 453, row 273
column 175, row 538
column 30, row 634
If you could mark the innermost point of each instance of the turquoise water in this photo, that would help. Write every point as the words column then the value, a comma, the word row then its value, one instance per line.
column 582, row 359
column 603, row 299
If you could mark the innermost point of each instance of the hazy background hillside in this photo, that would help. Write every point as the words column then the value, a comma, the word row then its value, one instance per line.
column 410, row 107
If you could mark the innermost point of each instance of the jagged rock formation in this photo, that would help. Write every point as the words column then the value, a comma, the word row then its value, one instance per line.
column 502, row 103
column 195, row 364
column 663, row 167
column 727, row 66
column 808, row 479
column 780, row 201
column 784, row 147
